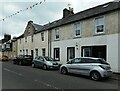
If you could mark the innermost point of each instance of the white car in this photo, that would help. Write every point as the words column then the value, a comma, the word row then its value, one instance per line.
column 96, row 68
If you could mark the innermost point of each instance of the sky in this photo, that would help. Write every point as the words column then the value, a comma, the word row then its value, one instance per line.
column 47, row 11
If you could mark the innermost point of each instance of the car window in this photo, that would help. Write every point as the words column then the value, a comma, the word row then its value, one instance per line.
column 88, row 60
column 28, row 56
column 76, row 61
column 36, row 57
column 41, row 59
column 49, row 59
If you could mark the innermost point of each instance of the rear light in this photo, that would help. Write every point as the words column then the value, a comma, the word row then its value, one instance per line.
column 105, row 68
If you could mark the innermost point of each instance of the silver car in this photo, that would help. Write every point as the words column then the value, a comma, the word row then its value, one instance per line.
column 45, row 62
column 96, row 68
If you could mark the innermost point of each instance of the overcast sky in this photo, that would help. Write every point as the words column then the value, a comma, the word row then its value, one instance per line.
column 48, row 11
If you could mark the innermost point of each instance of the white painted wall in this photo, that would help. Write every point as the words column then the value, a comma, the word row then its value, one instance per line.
column 110, row 40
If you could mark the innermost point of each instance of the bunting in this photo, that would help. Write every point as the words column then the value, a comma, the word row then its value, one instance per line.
column 20, row 11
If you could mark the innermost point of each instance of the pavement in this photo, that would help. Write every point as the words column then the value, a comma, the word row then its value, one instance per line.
column 116, row 76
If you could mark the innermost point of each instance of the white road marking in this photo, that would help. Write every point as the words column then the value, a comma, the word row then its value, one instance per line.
column 48, row 85
column 12, row 72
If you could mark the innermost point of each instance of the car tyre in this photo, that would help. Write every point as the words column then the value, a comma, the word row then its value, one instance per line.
column 64, row 71
column 95, row 76
column 44, row 67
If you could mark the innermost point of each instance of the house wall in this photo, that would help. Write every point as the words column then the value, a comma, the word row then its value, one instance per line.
column 36, row 44
column 88, row 27
column 110, row 40
column 39, row 44
column 89, row 38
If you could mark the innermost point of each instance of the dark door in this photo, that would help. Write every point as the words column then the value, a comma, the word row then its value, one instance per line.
column 57, row 54
column 32, row 53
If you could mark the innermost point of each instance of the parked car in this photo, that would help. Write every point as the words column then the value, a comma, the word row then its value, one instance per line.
column 45, row 62
column 4, row 58
column 23, row 59
column 96, row 68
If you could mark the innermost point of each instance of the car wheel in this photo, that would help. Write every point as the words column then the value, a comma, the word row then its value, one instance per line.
column 33, row 65
column 44, row 67
column 95, row 76
column 64, row 70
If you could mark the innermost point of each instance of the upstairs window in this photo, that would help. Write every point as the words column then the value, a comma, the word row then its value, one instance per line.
column 25, row 39
column 42, row 36
column 57, row 34
column 77, row 29
column 99, row 25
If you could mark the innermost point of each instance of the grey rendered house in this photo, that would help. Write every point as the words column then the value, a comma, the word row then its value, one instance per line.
column 93, row 32
column 90, row 33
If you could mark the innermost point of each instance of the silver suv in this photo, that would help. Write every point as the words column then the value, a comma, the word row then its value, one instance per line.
column 96, row 68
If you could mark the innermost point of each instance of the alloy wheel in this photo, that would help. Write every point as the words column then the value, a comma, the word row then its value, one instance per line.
column 95, row 76
column 64, row 71
column 44, row 67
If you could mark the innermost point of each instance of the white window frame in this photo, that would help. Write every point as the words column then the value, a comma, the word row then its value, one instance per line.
column 77, row 27
column 57, row 32
column 96, row 25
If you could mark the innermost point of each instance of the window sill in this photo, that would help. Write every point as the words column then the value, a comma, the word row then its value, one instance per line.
column 98, row 34
column 75, row 37
column 57, row 40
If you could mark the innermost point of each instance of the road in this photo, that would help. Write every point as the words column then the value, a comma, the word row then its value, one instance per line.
column 26, row 77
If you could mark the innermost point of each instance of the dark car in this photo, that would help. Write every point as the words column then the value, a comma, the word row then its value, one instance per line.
column 23, row 59
column 45, row 62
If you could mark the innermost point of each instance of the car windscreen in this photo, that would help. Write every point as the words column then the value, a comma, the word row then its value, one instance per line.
column 27, row 56
column 49, row 59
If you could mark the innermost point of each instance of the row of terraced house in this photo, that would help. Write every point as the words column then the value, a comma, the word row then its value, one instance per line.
column 90, row 33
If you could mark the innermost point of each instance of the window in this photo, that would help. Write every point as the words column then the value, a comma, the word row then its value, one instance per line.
column 43, row 52
column 57, row 54
column 99, row 25
column 77, row 29
column 76, row 61
column 42, row 36
column 36, row 51
column 25, row 39
column 86, row 51
column 26, row 51
column 32, row 38
column 20, row 51
column 57, row 34
column 70, row 53
column 23, row 52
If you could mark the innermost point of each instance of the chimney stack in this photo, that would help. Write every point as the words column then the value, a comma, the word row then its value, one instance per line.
column 67, row 12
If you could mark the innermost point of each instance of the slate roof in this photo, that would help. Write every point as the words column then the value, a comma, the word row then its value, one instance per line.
column 38, row 27
column 91, row 12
